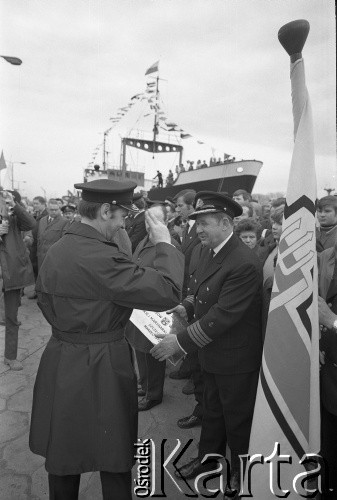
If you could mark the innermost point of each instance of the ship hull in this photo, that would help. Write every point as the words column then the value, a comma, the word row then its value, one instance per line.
column 225, row 178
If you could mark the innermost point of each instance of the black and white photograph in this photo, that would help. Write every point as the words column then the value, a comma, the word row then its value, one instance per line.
column 168, row 249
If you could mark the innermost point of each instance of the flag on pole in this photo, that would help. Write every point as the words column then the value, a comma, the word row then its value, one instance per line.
column 287, row 417
column 153, row 68
column 3, row 164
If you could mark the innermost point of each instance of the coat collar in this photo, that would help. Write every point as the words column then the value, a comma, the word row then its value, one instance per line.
column 81, row 229
column 212, row 266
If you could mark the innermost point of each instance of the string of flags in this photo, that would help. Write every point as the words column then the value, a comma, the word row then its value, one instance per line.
column 152, row 96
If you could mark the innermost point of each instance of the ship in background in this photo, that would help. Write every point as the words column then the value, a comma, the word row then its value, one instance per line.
column 161, row 139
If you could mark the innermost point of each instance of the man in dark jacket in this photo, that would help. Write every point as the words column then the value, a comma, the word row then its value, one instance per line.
column 17, row 271
column 226, row 332
column 151, row 371
column 51, row 228
column 136, row 226
column 84, row 415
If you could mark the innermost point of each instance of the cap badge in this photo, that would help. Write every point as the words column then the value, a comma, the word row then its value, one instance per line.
column 200, row 203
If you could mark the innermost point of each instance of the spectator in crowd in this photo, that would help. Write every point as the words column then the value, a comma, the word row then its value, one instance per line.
column 184, row 207
column 60, row 202
column 136, row 226
column 151, row 371
column 159, row 176
column 198, row 166
column 249, row 231
column 204, row 164
column 40, row 211
column 16, row 267
column 69, row 212
column 247, row 212
column 267, row 252
column 177, row 170
column 241, row 196
column 169, row 178
column 191, row 165
column 327, row 308
column 51, row 228
column 182, row 168
column 326, row 234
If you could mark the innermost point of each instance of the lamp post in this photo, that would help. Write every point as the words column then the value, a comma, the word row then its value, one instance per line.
column 12, row 165
column 12, row 60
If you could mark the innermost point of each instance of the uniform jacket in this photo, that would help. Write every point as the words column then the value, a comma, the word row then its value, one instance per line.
column 84, row 415
column 17, row 271
column 190, row 241
column 328, row 342
column 48, row 233
column 143, row 256
column 137, row 230
column 227, row 311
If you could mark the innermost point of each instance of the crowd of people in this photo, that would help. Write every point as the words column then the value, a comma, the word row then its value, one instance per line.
column 169, row 181
column 208, row 258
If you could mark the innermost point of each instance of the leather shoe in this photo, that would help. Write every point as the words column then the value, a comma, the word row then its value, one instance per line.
column 235, row 486
column 146, row 404
column 189, row 422
column 14, row 364
column 178, row 375
column 193, row 468
column 188, row 388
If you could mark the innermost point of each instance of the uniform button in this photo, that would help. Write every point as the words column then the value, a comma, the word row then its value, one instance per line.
column 195, row 280
column 325, row 329
column 191, row 275
column 211, row 324
column 188, row 289
column 207, row 289
column 200, row 301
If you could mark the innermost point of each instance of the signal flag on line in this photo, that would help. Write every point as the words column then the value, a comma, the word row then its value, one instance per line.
column 153, row 68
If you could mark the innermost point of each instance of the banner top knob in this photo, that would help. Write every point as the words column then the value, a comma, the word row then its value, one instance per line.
column 292, row 36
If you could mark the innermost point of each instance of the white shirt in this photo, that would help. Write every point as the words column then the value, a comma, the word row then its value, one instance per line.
column 222, row 244
column 191, row 223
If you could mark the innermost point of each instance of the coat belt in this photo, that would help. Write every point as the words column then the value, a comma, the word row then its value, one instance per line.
column 88, row 338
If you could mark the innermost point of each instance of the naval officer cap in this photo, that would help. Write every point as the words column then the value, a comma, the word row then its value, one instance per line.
column 108, row 191
column 208, row 202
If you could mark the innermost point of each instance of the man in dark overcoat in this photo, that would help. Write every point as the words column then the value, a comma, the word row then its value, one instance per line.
column 226, row 332
column 84, row 415
column 151, row 371
column 50, row 229
column 136, row 226
column 184, row 201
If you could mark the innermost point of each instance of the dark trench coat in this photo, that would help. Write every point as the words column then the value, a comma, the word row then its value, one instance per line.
column 84, row 415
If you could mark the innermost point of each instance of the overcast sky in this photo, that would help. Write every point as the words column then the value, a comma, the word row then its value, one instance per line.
column 227, row 81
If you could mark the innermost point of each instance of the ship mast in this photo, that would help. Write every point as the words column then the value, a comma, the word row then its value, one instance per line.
column 155, row 125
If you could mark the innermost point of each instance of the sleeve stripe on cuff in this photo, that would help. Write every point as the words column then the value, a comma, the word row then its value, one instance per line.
column 194, row 336
column 205, row 337
column 198, row 335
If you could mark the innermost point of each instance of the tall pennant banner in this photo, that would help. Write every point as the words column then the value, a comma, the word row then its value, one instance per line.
column 287, row 417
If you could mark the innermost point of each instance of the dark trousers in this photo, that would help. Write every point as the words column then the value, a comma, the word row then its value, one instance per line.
column 12, row 300
column 228, row 412
column 115, row 486
column 151, row 375
column 198, row 382
column 329, row 450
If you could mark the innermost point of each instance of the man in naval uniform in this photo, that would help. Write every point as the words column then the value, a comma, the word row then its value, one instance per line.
column 226, row 332
column 84, row 415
